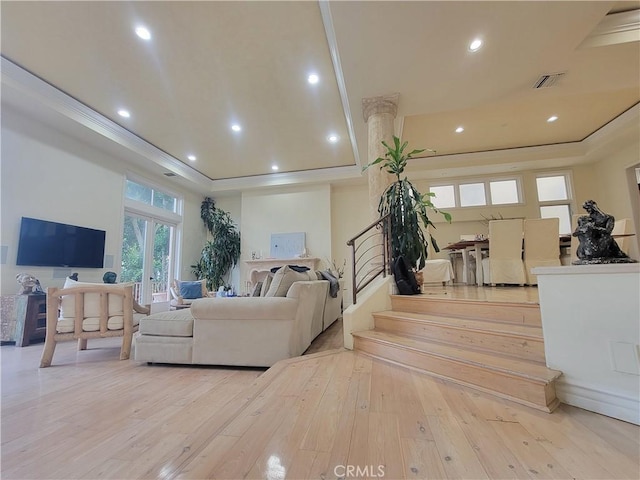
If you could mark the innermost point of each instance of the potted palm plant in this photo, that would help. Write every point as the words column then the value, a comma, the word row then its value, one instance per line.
column 221, row 253
column 409, row 208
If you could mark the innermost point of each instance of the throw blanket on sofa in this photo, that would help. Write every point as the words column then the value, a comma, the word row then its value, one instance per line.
column 295, row 268
column 334, row 286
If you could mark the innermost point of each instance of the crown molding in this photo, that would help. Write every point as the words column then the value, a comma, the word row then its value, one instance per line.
column 287, row 178
column 34, row 88
column 615, row 28
column 327, row 20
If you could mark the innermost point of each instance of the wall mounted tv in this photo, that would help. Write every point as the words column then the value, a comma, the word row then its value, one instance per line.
column 51, row 244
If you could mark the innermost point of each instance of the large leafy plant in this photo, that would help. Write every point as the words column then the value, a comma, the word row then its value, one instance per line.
column 408, row 208
column 221, row 253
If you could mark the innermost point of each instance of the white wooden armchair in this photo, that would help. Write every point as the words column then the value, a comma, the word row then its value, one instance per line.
column 81, row 311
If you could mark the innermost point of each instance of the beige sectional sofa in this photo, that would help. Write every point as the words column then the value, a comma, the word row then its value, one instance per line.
column 241, row 331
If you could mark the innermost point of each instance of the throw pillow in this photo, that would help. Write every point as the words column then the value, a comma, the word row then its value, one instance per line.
column 284, row 278
column 190, row 290
column 256, row 289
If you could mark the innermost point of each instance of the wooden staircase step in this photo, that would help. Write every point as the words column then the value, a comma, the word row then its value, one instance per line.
column 508, row 312
column 523, row 341
column 527, row 383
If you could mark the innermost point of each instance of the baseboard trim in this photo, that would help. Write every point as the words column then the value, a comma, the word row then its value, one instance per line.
column 611, row 404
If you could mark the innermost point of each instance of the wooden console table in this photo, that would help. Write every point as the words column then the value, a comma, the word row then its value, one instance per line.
column 260, row 267
column 31, row 319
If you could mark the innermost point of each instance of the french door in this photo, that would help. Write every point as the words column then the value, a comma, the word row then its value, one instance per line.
column 148, row 252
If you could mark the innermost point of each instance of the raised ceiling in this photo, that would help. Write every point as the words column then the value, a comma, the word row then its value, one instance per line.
column 209, row 65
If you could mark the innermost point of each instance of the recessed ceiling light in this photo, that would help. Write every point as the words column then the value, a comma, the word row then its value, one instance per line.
column 124, row 113
column 475, row 45
column 274, row 168
column 552, row 118
column 143, row 32
column 192, row 158
column 459, row 130
column 313, row 79
column 236, row 128
column 333, row 138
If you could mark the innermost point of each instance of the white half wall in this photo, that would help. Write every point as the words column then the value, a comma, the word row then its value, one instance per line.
column 591, row 328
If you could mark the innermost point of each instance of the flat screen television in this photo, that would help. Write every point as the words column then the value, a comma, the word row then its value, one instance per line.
column 51, row 244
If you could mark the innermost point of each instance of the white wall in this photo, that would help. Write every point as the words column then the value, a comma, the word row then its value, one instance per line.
column 48, row 175
column 286, row 210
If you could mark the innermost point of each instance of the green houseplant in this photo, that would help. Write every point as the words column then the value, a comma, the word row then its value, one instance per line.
column 408, row 208
column 221, row 253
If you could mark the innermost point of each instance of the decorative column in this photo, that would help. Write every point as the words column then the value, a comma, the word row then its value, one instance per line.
column 379, row 114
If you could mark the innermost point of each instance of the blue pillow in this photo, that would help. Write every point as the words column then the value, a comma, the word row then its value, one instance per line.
column 191, row 290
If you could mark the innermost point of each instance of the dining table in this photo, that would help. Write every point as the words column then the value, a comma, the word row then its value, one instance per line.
column 465, row 247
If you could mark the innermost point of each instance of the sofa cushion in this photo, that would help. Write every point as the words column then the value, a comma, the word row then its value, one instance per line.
column 92, row 324
column 91, row 300
column 175, row 323
column 266, row 283
column 256, row 290
column 284, row 278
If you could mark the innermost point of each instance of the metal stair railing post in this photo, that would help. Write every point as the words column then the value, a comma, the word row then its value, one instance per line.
column 374, row 246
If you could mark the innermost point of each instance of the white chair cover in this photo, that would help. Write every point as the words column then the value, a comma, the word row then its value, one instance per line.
column 541, row 245
column 437, row 270
column 505, row 253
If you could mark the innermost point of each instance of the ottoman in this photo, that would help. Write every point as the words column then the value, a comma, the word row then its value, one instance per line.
column 165, row 337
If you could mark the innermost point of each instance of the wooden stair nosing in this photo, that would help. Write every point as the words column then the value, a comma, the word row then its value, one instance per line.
column 516, row 313
column 519, row 388
column 397, row 341
column 413, row 317
column 529, row 356
column 547, row 409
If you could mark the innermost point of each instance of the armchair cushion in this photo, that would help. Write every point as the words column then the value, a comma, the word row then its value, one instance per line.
column 190, row 290
column 91, row 308
column 91, row 300
column 176, row 291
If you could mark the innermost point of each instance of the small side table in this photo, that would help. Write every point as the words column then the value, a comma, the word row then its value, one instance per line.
column 31, row 319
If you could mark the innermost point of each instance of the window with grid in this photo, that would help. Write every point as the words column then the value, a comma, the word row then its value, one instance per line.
column 554, row 198
column 477, row 193
column 151, row 196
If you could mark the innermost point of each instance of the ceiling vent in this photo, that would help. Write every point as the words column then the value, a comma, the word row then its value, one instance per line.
column 169, row 174
column 547, row 80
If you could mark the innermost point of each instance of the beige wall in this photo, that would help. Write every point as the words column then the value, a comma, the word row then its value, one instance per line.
column 349, row 215
column 286, row 210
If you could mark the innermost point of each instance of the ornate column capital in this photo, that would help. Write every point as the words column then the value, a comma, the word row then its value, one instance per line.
column 382, row 104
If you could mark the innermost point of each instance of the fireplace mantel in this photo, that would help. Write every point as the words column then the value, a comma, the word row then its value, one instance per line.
column 259, row 268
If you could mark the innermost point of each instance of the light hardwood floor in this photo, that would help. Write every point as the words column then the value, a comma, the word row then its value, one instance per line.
column 91, row 415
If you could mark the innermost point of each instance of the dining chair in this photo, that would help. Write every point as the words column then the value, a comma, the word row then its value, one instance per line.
column 504, row 264
column 541, row 245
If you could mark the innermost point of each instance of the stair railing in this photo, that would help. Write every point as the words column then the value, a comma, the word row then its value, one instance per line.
column 370, row 254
